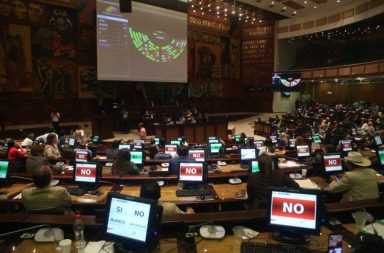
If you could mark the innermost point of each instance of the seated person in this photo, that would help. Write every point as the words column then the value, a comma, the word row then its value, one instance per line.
column 43, row 138
column 183, row 141
column 360, row 182
column 153, row 149
column 282, row 140
column 36, row 159
column 151, row 190
column 51, row 150
column 142, row 131
column 242, row 138
column 250, row 143
column 112, row 152
column 28, row 141
column 258, row 183
column 43, row 196
column 122, row 166
column 182, row 155
column 79, row 135
column 16, row 156
column 268, row 148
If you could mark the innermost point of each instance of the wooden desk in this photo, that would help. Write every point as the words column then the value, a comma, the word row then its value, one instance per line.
column 165, row 246
column 13, row 190
column 93, row 199
column 228, row 191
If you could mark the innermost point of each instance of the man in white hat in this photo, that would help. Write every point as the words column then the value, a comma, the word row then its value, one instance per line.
column 360, row 182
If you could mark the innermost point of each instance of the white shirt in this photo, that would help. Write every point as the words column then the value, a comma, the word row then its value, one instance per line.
column 43, row 138
column 55, row 117
column 27, row 142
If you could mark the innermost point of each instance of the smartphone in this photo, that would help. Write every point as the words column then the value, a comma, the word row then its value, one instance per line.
column 335, row 243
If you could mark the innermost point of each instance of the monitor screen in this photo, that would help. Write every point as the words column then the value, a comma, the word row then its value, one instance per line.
column 380, row 154
column 332, row 163
column 197, row 154
column 346, row 145
column 86, row 173
column 96, row 139
column 294, row 210
column 237, row 137
column 248, row 154
column 125, row 146
column 81, row 156
column 255, row 166
column 129, row 218
column 138, row 141
column 259, row 144
column 137, row 157
column 378, row 140
column 157, row 141
column 303, row 151
column 176, row 142
column 191, row 171
column 273, row 138
column 71, row 142
column 3, row 169
column 170, row 150
column 215, row 148
column 292, row 143
column 316, row 138
column 213, row 141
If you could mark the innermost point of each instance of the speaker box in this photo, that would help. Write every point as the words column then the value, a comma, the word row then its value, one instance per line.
column 125, row 6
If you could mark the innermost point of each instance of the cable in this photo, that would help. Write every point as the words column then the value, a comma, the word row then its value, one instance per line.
column 24, row 178
column 105, row 182
column 24, row 230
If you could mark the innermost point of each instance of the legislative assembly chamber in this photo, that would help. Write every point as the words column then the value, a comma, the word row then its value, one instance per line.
column 192, row 126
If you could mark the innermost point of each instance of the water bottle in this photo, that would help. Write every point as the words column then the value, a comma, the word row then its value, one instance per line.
column 78, row 229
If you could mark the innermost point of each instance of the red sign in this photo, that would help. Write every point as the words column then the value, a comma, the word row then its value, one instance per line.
column 191, row 170
column 332, row 162
column 293, row 208
column 81, row 156
column 170, row 149
column 86, row 172
column 196, row 154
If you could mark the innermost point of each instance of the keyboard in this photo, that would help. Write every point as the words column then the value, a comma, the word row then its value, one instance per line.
column 77, row 191
column 193, row 192
column 256, row 247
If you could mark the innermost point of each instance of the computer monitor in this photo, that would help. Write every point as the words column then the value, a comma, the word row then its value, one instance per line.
column 354, row 131
column 176, row 142
column 213, row 140
column 255, row 166
column 71, row 142
column 215, row 148
column 380, row 155
column 86, row 175
column 247, row 154
column 292, row 143
column 3, row 171
column 273, row 138
column 132, row 222
column 316, row 138
column 197, row 154
column 170, row 150
column 82, row 156
column 303, row 151
column 138, row 141
column 258, row 144
column 125, row 146
column 237, row 137
column 294, row 214
column 378, row 140
column 157, row 140
column 96, row 139
column 332, row 163
column 346, row 145
column 192, row 173
column 137, row 157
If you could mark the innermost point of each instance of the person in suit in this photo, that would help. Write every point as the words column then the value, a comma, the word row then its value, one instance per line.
column 151, row 190
column 258, row 183
column 43, row 196
column 360, row 182
column 182, row 155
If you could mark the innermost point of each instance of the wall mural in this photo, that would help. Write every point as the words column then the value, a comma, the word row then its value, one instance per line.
column 234, row 57
column 15, row 57
column 89, row 87
column 208, row 60
column 206, row 88
column 55, row 78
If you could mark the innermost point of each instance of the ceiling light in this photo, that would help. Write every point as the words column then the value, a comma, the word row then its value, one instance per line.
column 315, row 7
column 305, row 2
column 285, row 7
column 294, row 12
column 260, row 20
column 225, row 9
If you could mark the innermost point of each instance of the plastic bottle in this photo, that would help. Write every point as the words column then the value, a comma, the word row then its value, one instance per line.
column 78, row 230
